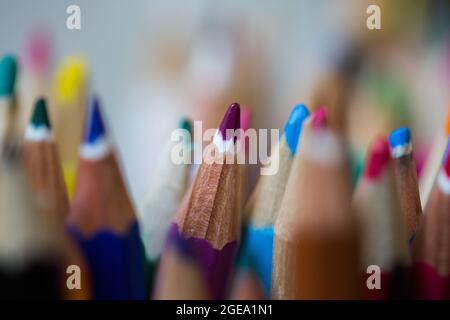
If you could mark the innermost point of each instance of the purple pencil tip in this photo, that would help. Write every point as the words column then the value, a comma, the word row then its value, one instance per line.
column 231, row 120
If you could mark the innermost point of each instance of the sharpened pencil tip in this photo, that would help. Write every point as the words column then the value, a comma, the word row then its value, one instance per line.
column 319, row 117
column 94, row 128
column 293, row 126
column 231, row 120
column 377, row 158
column 8, row 72
column 399, row 136
column 40, row 115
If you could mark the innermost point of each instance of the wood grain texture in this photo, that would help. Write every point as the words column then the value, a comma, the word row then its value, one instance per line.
column 265, row 200
column 316, row 240
column 408, row 192
column 210, row 209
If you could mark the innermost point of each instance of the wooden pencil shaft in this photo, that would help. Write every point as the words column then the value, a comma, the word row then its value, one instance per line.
column 45, row 176
column 315, row 244
column 408, row 192
column 211, row 212
column 101, row 199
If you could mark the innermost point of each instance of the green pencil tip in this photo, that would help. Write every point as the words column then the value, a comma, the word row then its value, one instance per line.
column 40, row 115
column 185, row 124
column 8, row 71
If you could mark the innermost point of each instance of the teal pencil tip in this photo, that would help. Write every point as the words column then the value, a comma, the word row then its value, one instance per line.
column 40, row 115
column 293, row 126
column 8, row 71
column 185, row 124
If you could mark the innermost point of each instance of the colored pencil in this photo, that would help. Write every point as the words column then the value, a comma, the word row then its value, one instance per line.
column 9, row 124
column 431, row 249
column 334, row 89
column 434, row 160
column 67, row 108
column 45, row 177
column 161, row 200
column 36, row 58
column 28, row 246
column 181, row 276
column 264, row 203
column 208, row 218
column 382, row 225
column 102, row 219
column 42, row 163
column 406, row 179
column 315, row 252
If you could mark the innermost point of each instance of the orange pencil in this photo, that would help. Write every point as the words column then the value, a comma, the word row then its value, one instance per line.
column 315, row 241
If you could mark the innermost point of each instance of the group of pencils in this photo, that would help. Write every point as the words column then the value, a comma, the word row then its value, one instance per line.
column 303, row 233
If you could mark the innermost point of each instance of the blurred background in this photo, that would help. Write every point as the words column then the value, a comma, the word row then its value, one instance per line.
column 153, row 61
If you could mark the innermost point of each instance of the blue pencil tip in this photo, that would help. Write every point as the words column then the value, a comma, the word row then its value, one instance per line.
column 399, row 136
column 8, row 71
column 293, row 126
column 94, row 128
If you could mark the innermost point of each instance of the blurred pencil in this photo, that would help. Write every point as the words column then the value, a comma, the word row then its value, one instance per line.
column 102, row 218
column 42, row 163
column 264, row 203
column 406, row 179
column 315, row 254
column 67, row 108
column 181, row 277
column 28, row 246
column 431, row 249
column 434, row 160
column 208, row 219
column 161, row 200
column 9, row 123
column 36, row 56
column 46, row 181
column 334, row 90
column 382, row 225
